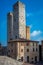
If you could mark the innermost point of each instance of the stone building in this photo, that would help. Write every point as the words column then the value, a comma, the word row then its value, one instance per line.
column 9, row 26
column 3, row 50
column 24, row 50
column 42, row 49
column 0, row 49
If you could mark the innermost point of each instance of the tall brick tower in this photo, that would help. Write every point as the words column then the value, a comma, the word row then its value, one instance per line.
column 9, row 26
column 19, row 22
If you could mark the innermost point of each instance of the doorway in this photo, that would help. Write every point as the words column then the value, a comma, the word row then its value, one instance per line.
column 22, row 58
column 27, row 58
column 35, row 58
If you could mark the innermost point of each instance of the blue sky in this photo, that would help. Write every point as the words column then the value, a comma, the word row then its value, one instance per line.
column 34, row 18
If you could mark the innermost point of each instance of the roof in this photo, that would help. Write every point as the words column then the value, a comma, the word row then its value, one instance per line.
column 22, row 40
column 9, row 13
column 18, row 2
column 27, row 26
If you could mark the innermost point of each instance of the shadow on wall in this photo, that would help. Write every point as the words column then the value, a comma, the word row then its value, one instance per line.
column 38, row 63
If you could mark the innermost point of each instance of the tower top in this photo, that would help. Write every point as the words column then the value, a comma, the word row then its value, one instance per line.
column 18, row 3
column 10, row 13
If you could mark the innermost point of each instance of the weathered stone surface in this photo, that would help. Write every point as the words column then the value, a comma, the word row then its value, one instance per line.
column 8, row 61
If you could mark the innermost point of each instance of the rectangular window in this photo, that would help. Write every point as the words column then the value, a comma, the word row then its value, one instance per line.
column 21, row 50
column 12, row 50
column 36, row 44
column 10, row 38
column 27, row 44
column 36, row 49
column 16, row 37
column 21, row 44
column 33, row 49
column 27, row 50
column 33, row 44
column 8, row 50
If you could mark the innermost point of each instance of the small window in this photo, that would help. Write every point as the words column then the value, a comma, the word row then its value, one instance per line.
column 12, row 50
column 16, row 37
column 21, row 44
column 10, row 38
column 21, row 50
column 8, row 50
column 32, row 58
column 36, row 44
column 27, row 44
column 33, row 49
column 33, row 44
column 36, row 49
column 27, row 50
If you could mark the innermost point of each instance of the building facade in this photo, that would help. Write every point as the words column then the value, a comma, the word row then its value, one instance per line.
column 3, row 50
column 24, row 50
column 42, row 49
column 0, row 49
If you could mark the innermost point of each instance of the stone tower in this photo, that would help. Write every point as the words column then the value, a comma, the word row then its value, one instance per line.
column 9, row 26
column 19, row 22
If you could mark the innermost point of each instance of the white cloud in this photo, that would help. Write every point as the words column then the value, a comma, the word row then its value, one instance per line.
column 35, row 33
